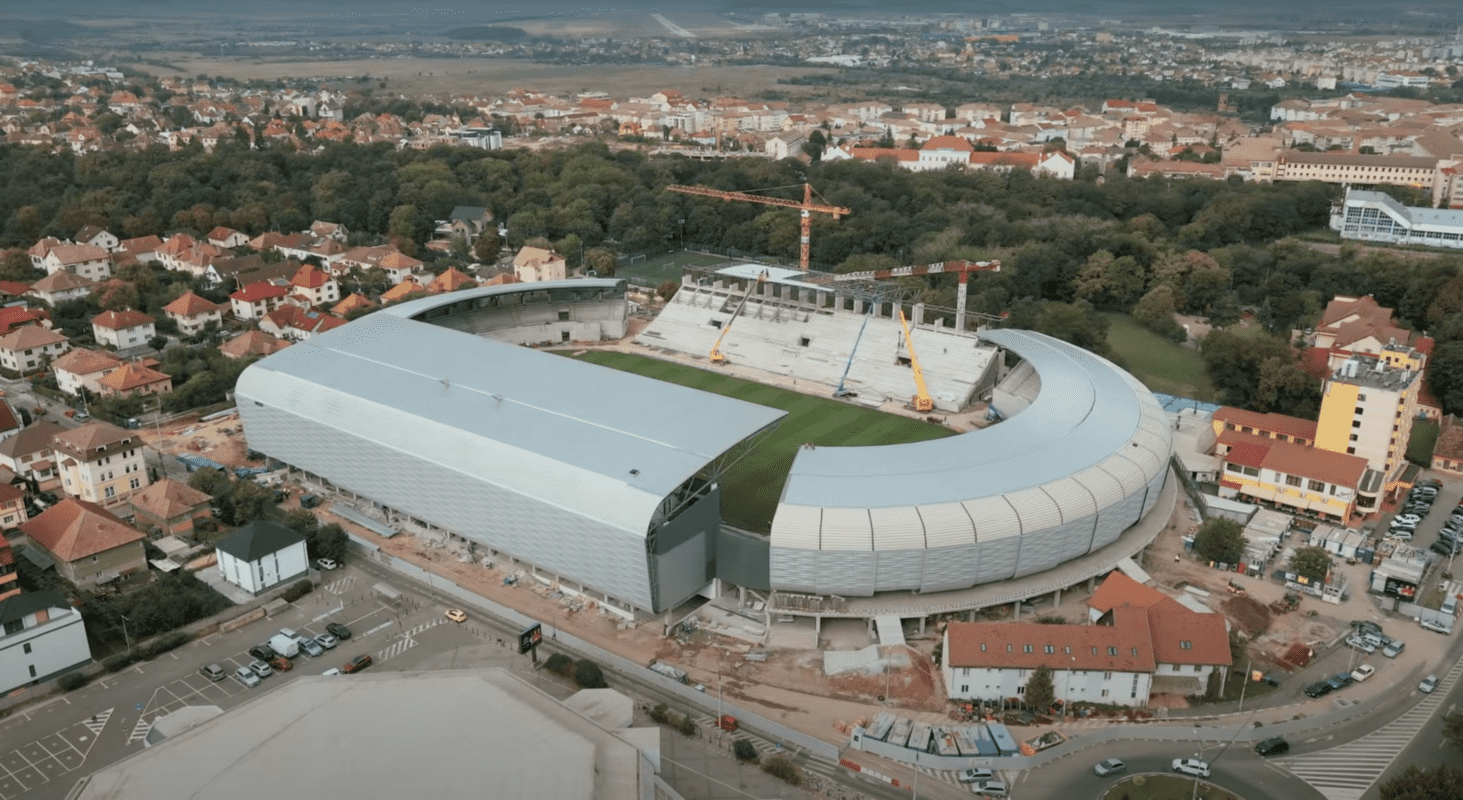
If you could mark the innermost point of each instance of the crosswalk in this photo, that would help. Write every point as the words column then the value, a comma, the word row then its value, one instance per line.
column 139, row 730
column 407, row 640
column 339, row 586
column 98, row 722
column 1345, row 772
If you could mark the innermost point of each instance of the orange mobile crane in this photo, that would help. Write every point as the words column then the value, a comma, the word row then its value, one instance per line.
column 921, row 400
column 805, row 208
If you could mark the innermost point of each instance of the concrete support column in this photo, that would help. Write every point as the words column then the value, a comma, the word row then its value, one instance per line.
column 873, row 634
column 1057, row 597
column 922, row 620
column 918, row 314
column 1092, row 583
column 1016, row 610
column 960, row 304
column 817, row 628
column 858, row 306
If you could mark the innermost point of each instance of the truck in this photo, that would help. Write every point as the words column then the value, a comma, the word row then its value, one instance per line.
column 287, row 646
column 674, row 673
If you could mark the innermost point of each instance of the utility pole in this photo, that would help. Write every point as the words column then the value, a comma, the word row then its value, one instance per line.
column 1245, row 685
column 124, row 633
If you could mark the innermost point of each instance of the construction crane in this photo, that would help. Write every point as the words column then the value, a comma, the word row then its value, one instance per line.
column 716, row 356
column 805, row 208
column 960, row 267
column 840, row 391
column 921, row 400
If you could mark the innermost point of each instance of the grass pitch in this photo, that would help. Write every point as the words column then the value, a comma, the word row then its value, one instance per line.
column 751, row 488
column 669, row 267
column 1159, row 363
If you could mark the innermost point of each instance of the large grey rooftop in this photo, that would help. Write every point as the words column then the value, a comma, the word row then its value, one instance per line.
column 1087, row 411
column 532, row 406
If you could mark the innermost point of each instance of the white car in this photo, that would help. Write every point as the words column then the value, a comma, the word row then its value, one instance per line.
column 973, row 775
column 1363, row 672
column 331, row 671
column 326, row 563
column 1428, row 684
column 1191, row 766
column 990, row 789
column 1406, row 519
column 247, row 677
column 326, row 641
column 311, row 647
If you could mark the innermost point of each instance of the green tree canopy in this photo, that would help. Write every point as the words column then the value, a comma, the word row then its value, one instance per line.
column 1220, row 540
column 1312, row 562
column 1444, row 782
column 1041, row 693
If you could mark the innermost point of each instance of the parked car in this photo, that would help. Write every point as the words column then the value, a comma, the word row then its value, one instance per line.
column 1366, row 626
column 1318, row 689
column 1437, row 627
column 331, row 671
column 247, row 677
column 1191, row 766
column 1362, row 672
column 213, row 672
column 326, row 564
column 1446, row 547
column 1361, row 643
column 1110, row 766
column 339, row 631
column 311, row 647
column 457, row 615
column 1406, row 519
column 990, row 789
column 282, row 664
column 261, row 669
column 1340, row 680
column 356, row 664
column 1393, row 648
column 262, row 652
column 973, row 775
column 1273, row 746
column 326, row 641
column 1428, row 684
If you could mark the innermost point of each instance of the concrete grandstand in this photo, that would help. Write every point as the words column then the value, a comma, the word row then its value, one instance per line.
column 417, row 408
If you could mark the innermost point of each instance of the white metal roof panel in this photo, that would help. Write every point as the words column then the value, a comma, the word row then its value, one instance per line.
column 897, row 528
column 1035, row 508
column 797, row 526
column 506, row 414
column 994, row 518
column 1126, row 472
column 1105, row 489
column 847, row 529
column 947, row 524
column 1087, row 409
column 1072, row 499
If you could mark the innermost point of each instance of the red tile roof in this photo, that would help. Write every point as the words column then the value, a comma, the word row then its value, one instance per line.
column 118, row 320
column 1124, row 646
column 259, row 290
column 1294, row 427
column 16, row 316
column 1293, row 459
column 309, row 276
column 252, row 343
column 1183, row 636
column 74, row 529
column 1118, row 589
column 189, row 305
column 84, row 362
column 168, row 499
column 131, row 376
column 1450, row 440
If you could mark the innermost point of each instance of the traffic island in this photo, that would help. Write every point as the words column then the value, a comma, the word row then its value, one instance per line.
column 1165, row 787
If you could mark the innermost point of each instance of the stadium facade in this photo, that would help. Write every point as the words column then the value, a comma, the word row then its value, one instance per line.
column 608, row 480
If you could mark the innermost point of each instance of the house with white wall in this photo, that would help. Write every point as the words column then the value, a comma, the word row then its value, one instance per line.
column 261, row 556
column 41, row 637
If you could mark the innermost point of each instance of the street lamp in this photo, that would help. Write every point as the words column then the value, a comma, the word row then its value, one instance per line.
column 683, row 234
column 124, row 633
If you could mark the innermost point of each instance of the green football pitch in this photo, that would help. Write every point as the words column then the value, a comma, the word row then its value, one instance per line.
column 751, row 488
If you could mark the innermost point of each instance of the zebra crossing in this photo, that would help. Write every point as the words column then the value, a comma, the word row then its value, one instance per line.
column 407, row 640
column 339, row 586
column 98, row 722
column 139, row 730
column 1347, row 771
column 952, row 777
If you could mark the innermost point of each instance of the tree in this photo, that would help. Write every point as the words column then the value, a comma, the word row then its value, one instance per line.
column 588, row 675
column 601, row 260
column 780, row 766
column 1041, row 692
column 744, row 750
column 251, row 502
column 117, row 295
column 302, row 521
column 1312, row 562
column 667, row 290
column 1220, row 540
column 1444, row 782
column 213, row 482
column 488, row 246
column 1453, row 729
column 331, row 541
column 1155, row 311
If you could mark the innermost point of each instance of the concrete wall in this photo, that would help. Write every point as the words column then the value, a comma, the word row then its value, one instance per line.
column 55, row 646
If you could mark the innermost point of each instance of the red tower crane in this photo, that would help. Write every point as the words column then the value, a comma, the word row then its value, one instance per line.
column 805, row 208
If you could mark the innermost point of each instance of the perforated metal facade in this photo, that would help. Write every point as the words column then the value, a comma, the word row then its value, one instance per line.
column 1064, row 477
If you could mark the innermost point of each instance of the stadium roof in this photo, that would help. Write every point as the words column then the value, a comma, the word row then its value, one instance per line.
column 605, row 444
column 1087, row 412
column 356, row 733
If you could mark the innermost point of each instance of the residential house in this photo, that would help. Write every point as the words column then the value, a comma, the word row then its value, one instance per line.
column 41, row 638
column 13, row 290
column 788, row 144
column 1295, row 477
column 88, row 261
column 244, row 270
column 28, row 348
column 100, row 462
column 261, row 556
column 123, row 329
column 89, row 544
column 143, row 249
column 315, row 285
column 401, row 291
column 31, row 454
column 226, row 238
column 533, row 264
column 297, row 324
column 1368, row 406
column 9, row 425
column 9, row 576
column 355, row 302
column 81, row 368
column 329, row 230
column 1448, row 450
column 252, row 344
column 450, row 281
column 171, row 507
column 257, row 299
column 97, row 237
column 14, row 317
column 465, row 223
column 12, row 515
column 399, row 266
column 193, row 313
column 60, row 286
column 1165, row 648
column 132, row 379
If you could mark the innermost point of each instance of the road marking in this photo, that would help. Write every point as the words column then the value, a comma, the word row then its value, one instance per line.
column 383, row 626
column 139, row 731
column 98, row 722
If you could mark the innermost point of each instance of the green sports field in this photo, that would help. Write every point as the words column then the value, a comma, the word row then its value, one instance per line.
column 750, row 489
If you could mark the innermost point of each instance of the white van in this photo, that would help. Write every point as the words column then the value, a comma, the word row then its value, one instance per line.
column 1450, row 606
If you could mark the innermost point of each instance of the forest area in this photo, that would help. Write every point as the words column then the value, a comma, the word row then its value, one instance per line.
column 1069, row 249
